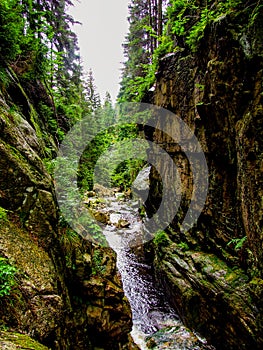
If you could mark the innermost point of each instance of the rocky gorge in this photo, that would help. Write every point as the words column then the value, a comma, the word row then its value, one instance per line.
column 194, row 289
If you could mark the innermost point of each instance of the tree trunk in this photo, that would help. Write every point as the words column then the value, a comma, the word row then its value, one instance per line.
column 160, row 18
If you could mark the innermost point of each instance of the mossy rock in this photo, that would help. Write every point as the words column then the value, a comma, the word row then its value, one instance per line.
column 12, row 341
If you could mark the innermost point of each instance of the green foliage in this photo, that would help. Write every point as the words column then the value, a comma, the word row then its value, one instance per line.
column 237, row 242
column 98, row 153
column 201, row 87
column 161, row 239
column 48, row 114
column 188, row 21
column 183, row 245
column 184, row 28
column 50, row 165
column 7, row 277
column 179, row 14
column 97, row 266
column 138, row 48
column 11, row 24
column 4, row 78
column 125, row 173
column 3, row 215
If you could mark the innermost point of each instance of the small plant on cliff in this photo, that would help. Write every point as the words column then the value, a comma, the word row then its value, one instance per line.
column 161, row 239
column 7, row 277
column 237, row 242
column 97, row 265
column 183, row 246
column 3, row 215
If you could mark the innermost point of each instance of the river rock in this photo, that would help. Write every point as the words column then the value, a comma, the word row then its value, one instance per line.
column 177, row 338
column 117, row 220
column 102, row 217
column 114, row 218
column 140, row 186
column 123, row 223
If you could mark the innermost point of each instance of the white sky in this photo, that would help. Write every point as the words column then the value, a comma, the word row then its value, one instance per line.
column 103, row 30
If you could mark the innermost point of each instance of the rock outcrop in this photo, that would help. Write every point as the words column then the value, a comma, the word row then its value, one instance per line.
column 213, row 273
column 67, row 293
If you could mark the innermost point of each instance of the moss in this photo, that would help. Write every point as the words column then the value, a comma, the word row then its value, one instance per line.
column 161, row 239
column 13, row 340
column 183, row 246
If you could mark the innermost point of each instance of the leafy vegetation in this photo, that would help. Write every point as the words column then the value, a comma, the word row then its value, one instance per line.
column 183, row 27
column 3, row 215
column 184, row 246
column 7, row 277
column 237, row 242
column 146, row 25
column 97, row 265
column 161, row 239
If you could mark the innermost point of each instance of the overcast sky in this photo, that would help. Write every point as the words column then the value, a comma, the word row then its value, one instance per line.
column 103, row 30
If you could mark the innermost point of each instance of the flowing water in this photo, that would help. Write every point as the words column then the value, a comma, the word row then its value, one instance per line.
column 150, row 308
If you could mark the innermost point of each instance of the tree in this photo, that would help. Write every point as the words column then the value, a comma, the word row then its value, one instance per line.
column 12, row 25
column 92, row 96
column 146, row 26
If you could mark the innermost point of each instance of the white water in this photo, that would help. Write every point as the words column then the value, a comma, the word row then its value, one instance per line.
column 151, row 311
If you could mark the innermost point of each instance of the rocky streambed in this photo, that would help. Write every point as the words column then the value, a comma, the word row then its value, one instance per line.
column 156, row 325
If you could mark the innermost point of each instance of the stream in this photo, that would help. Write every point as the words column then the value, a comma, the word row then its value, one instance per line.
column 150, row 307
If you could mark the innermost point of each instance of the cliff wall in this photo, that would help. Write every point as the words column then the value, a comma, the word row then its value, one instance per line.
column 213, row 272
column 66, row 292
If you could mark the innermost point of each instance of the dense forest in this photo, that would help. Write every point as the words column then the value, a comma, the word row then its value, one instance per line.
column 202, row 61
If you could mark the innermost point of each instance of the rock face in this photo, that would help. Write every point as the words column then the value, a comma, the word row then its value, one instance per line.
column 213, row 273
column 67, row 292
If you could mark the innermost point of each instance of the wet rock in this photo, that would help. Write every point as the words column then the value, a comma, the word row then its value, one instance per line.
column 177, row 338
column 140, row 186
column 117, row 220
column 123, row 223
column 102, row 217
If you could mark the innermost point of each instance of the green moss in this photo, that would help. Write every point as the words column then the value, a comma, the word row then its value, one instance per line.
column 3, row 215
column 183, row 246
column 12, row 340
column 161, row 239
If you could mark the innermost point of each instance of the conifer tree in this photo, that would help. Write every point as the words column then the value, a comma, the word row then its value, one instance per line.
column 146, row 23
column 92, row 96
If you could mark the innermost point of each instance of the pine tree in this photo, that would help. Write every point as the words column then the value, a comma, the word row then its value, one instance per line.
column 146, row 23
column 92, row 96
